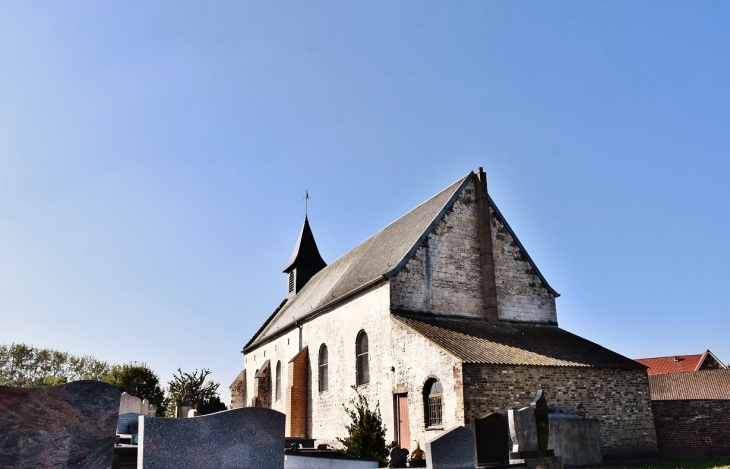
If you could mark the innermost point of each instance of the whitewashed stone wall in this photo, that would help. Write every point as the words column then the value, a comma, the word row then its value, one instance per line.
column 338, row 329
column 521, row 295
column 444, row 275
column 416, row 360
column 281, row 350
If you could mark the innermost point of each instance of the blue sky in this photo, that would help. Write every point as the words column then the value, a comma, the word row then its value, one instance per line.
column 154, row 157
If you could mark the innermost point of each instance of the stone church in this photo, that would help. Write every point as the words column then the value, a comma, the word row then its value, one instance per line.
column 443, row 319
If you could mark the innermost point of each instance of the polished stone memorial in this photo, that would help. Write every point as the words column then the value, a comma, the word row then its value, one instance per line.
column 67, row 426
column 244, row 437
column 453, row 449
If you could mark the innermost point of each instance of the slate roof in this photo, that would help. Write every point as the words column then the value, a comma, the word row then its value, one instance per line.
column 675, row 363
column 704, row 384
column 477, row 341
column 305, row 251
column 377, row 258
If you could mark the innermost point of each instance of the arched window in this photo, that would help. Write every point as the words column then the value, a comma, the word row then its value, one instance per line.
column 432, row 393
column 323, row 362
column 278, row 381
column 361, row 349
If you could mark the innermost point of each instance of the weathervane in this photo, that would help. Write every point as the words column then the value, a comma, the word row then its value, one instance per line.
column 306, row 202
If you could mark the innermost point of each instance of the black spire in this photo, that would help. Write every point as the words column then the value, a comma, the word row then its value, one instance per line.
column 305, row 262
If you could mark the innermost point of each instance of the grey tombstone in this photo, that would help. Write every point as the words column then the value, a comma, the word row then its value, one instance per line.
column 453, row 449
column 398, row 457
column 130, row 403
column 576, row 439
column 127, row 424
column 244, row 437
column 541, row 416
column 70, row 425
column 523, row 430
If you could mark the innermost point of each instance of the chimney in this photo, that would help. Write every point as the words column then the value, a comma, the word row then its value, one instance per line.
column 486, row 253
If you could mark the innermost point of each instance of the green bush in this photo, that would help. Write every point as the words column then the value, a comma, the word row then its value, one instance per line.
column 366, row 433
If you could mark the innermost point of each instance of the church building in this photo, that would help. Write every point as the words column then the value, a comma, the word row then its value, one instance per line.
column 443, row 319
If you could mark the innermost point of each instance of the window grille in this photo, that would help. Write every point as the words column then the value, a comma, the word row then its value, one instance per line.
column 323, row 359
column 433, row 400
column 362, row 368
column 291, row 282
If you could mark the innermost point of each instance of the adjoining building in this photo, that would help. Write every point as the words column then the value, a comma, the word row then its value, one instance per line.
column 443, row 319
column 682, row 363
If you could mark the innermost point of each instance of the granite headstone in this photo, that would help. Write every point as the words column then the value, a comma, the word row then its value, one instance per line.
column 453, row 449
column 128, row 423
column 541, row 417
column 244, row 437
column 523, row 429
column 70, row 425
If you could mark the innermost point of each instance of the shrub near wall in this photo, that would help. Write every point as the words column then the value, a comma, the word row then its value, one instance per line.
column 692, row 428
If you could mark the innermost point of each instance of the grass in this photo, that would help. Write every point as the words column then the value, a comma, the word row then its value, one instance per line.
column 678, row 464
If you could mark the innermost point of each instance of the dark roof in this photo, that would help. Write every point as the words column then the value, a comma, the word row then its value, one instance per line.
column 704, row 384
column 477, row 341
column 305, row 251
column 676, row 363
column 379, row 257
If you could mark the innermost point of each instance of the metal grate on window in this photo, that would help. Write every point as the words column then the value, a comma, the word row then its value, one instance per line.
column 434, row 411
column 291, row 282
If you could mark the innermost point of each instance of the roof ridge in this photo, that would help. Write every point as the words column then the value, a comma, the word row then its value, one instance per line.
column 671, row 356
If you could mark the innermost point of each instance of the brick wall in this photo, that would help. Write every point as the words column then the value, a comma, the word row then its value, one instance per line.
column 618, row 399
column 296, row 395
column 692, row 428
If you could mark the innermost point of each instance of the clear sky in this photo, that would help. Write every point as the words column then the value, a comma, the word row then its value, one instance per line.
column 154, row 157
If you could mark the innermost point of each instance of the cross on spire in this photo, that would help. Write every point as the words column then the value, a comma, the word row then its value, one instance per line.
column 306, row 202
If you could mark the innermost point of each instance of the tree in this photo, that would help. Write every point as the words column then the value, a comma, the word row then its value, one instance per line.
column 140, row 381
column 193, row 389
column 25, row 365
column 366, row 433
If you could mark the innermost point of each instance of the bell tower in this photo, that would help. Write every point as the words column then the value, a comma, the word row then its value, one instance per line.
column 305, row 262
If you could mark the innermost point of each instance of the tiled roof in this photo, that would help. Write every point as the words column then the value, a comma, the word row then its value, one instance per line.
column 704, row 384
column 477, row 341
column 675, row 364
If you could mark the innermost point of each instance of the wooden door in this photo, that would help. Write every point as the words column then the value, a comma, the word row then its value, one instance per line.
column 404, row 431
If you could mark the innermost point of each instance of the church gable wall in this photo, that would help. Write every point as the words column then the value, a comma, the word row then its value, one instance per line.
column 619, row 399
column 444, row 275
column 521, row 295
column 417, row 359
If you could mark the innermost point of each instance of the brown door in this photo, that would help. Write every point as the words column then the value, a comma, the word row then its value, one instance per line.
column 404, row 431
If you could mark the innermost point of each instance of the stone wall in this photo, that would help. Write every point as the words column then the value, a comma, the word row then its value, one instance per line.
column 338, row 329
column 693, row 428
column 521, row 295
column 417, row 359
column 444, row 274
column 618, row 399
column 238, row 391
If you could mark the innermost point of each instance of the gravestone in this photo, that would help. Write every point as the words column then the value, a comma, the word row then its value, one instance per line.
column 244, row 437
column 542, row 419
column 523, row 430
column 127, row 424
column 398, row 457
column 69, row 425
column 453, row 449
column 192, row 413
column 129, row 403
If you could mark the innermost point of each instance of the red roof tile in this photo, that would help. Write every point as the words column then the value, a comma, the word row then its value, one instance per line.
column 675, row 364
column 704, row 384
